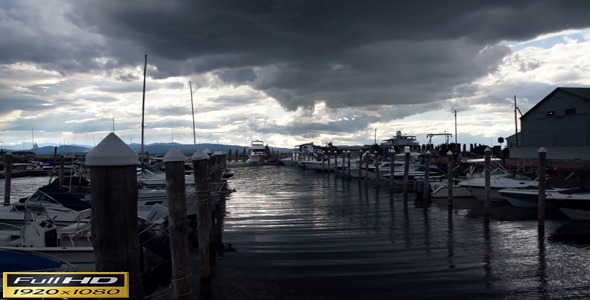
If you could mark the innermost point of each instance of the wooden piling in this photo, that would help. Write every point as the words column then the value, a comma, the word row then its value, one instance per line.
column 391, row 169
column 113, row 192
column 201, row 166
column 7, row 178
column 487, row 200
column 348, row 154
column 360, row 175
column 335, row 163
column 426, row 193
column 406, row 172
column 542, row 165
column 177, row 224
column 450, row 167
column 377, row 166
column 367, row 158
column 61, row 171
column 343, row 154
column 217, row 159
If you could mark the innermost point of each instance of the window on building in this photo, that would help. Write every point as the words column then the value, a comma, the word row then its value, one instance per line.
column 570, row 111
column 550, row 113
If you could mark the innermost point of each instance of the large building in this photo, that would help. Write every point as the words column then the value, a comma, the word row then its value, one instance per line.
column 560, row 123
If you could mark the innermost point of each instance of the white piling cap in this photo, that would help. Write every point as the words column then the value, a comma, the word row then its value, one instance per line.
column 218, row 153
column 174, row 155
column 542, row 149
column 200, row 155
column 450, row 152
column 487, row 149
column 111, row 151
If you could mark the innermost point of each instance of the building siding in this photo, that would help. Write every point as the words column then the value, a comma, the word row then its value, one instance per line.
column 553, row 123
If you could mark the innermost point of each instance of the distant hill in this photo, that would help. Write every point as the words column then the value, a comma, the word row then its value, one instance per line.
column 157, row 148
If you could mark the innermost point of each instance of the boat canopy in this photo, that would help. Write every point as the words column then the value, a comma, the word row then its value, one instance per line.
column 53, row 194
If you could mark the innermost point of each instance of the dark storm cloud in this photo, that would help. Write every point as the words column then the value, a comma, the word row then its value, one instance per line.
column 346, row 53
column 22, row 102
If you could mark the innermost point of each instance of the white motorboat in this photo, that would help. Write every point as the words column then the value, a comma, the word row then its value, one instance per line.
column 574, row 203
column 258, row 152
column 440, row 190
column 477, row 185
column 69, row 243
column 527, row 196
column 62, row 207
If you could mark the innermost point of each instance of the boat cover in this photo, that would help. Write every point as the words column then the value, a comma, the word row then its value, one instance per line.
column 64, row 198
column 16, row 261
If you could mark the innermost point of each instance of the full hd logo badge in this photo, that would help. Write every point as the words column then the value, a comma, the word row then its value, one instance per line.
column 66, row 285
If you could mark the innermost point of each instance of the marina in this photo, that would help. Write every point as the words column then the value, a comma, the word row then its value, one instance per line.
column 337, row 150
column 309, row 235
column 293, row 233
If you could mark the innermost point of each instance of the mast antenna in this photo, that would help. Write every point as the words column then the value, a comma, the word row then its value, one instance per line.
column 143, row 111
column 515, row 122
column 193, row 110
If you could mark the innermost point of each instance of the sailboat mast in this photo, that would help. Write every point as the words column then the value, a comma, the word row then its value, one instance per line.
column 456, row 145
column 515, row 122
column 143, row 109
column 193, row 110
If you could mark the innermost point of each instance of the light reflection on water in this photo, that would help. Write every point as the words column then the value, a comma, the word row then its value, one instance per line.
column 313, row 235
column 22, row 187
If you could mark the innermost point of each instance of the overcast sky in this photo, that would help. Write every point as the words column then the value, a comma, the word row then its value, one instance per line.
column 286, row 72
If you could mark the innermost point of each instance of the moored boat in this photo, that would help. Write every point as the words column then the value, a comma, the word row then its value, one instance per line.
column 527, row 196
column 258, row 152
column 574, row 203
column 477, row 186
column 440, row 190
column 62, row 207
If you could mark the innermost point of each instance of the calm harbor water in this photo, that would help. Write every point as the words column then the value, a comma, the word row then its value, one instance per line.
column 297, row 234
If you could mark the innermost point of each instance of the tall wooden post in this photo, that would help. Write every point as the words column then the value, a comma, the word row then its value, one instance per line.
column 450, row 167
column 487, row 200
column 367, row 158
column 201, row 167
column 229, row 156
column 427, row 176
column 391, row 169
column 360, row 175
column 177, row 224
column 542, row 170
column 7, row 178
column 377, row 166
column 217, row 158
column 61, row 172
column 343, row 154
column 348, row 155
column 335, row 163
column 114, row 210
column 406, row 172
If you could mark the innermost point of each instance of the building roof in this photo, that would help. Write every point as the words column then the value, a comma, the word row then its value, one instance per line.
column 583, row 93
